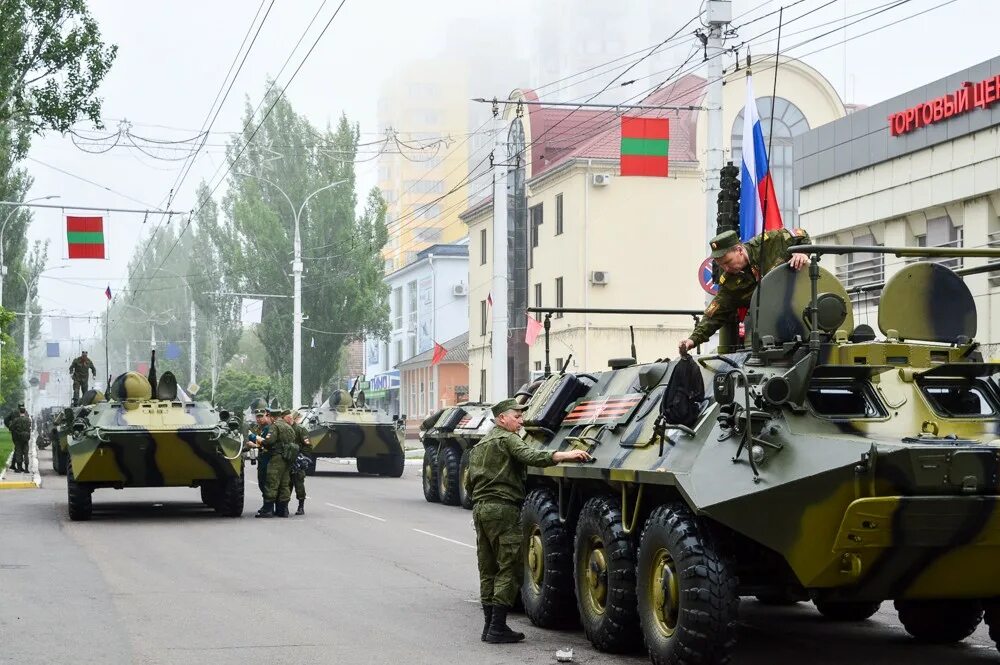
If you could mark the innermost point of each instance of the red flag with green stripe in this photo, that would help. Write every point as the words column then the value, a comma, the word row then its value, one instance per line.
column 645, row 146
column 85, row 237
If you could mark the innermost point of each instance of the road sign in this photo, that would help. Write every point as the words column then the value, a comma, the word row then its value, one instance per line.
column 705, row 277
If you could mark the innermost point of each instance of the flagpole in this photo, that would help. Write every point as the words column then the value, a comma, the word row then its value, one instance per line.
column 107, row 364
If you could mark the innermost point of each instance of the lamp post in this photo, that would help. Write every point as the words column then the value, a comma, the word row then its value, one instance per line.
column 297, row 278
column 3, row 227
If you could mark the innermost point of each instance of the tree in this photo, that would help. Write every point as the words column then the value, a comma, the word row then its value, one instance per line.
column 52, row 60
column 11, row 364
column 237, row 389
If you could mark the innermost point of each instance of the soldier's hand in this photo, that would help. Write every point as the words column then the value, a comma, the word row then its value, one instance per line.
column 798, row 261
column 571, row 456
column 685, row 346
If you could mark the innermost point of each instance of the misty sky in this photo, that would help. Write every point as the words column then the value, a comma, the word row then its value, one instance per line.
column 173, row 57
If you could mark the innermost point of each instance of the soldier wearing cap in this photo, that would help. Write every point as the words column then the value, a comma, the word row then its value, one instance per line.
column 257, row 433
column 20, row 432
column 497, row 469
column 280, row 443
column 743, row 266
column 298, row 472
column 78, row 370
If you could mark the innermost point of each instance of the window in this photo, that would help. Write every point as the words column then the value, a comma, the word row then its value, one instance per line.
column 840, row 399
column 559, row 214
column 428, row 234
column 482, row 317
column 423, row 186
column 538, row 365
column 959, row 399
column 432, row 211
column 559, row 364
column 397, row 308
column 399, row 353
column 412, row 350
column 862, row 268
column 538, row 295
column 789, row 122
column 534, row 221
column 411, row 305
column 482, row 382
column 482, row 247
column 559, row 296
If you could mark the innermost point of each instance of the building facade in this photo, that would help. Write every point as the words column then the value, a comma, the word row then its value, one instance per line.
column 580, row 235
column 431, row 386
column 427, row 304
column 920, row 169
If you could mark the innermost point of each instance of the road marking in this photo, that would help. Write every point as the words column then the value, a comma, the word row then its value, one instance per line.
column 457, row 542
column 333, row 505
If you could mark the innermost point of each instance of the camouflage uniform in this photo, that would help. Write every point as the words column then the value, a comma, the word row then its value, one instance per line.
column 279, row 439
column 735, row 290
column 20, row 432
column 298, row 478
column 78, row 370
column 497, row 472
column 263, row 456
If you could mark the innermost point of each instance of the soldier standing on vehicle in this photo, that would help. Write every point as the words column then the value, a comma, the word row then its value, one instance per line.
column 497, row 468
column 78, row 370
column 255, row 436
column 302, row 461
column 744, row 265
column 20, row 432
column 280, row 442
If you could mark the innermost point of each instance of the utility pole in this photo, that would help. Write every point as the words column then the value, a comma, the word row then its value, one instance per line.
column 215, row 363
column 193, row 325
column 718, row 14
column 498, row 290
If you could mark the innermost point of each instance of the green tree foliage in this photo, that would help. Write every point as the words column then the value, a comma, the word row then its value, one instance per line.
column 11, row 364
column 52, row 60
column 343, row 293
column 175, row 265
column 235, row 390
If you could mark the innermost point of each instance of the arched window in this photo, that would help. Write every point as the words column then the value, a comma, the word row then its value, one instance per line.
column 788, row 122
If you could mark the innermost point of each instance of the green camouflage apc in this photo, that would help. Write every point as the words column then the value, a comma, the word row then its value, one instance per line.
column 342, row 428
column 144, row 436
column 60, row 429
column 826, row 464
column 447, row 437
column 46, row 418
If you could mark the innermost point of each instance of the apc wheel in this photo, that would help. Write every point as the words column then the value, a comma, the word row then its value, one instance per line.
column 847, row 611
column 448, row 478
column 993, row 621
column 939, row 621
column 547, row 589
column 430, row 475
column 604, row 574
column 59, row 460
column 464, row 499
column 211, row 493
column 686, row 595
column 392, row 467
column 79, row 497
column 230, row 502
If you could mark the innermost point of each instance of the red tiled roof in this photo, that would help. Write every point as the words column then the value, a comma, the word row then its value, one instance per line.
column 561, row 133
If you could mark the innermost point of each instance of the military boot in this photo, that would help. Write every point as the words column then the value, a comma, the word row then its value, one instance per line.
column 267, row 510
column 500, row 632
column 488, row 615
column 281, row 510
column 302, row 507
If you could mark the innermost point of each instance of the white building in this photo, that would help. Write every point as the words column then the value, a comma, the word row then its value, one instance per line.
column 428, row 303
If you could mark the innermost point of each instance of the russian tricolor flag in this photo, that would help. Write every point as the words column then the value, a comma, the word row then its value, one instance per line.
column 758, row 202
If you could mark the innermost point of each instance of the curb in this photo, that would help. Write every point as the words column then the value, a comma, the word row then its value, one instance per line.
column 36, row 478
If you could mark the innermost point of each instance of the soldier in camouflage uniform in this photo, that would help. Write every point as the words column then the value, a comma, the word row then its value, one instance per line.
column 497, row 471
column 743, row 265
column 298, row 475
column 256, row 434
column 20, row 432
column 280, row 442
column 78, row 370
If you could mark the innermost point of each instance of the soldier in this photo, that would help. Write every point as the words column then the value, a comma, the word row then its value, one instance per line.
column 280, row 442
column 78, row 370
column 20, row 432
column 298, row 472
column 257, row 432
column 744, row 264
column 496, row 484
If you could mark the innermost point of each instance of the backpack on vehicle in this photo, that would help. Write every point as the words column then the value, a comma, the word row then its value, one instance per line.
column 685, row 393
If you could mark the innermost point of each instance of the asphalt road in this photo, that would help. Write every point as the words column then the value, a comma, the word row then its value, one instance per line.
column 371, row 574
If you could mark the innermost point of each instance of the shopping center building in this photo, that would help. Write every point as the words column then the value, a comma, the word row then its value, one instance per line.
column 920, row 169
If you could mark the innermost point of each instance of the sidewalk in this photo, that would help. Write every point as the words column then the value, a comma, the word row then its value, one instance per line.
column 12, row 480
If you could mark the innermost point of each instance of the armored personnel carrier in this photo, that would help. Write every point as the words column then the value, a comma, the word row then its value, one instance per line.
column 447, row 437
column 826, row 463
column 145, row 436
column 60, row 428
column 343, row 428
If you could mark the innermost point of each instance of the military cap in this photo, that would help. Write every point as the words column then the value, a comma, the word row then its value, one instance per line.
column 275, row 413
column 260, row 412
column 722, row 243
column 507, row 405
column 296, row 414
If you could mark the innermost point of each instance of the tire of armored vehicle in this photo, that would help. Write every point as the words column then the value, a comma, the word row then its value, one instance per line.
column 142, row 438
column 342, row 428
column 820, row 464
column 447, row 437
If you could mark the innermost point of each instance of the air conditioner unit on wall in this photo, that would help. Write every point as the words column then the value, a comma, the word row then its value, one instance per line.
column 600, row 277
column 602, row 179
column 459, row 289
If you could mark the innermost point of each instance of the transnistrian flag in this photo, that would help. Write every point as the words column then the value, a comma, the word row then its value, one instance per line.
column 758, row 202
column 645, row 146
column 85, row 237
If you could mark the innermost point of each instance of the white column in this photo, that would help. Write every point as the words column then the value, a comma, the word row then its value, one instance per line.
column 498, row 368
column 297, row 321
column 718, row 13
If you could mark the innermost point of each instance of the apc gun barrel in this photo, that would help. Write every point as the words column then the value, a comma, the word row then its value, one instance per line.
column 918, row 252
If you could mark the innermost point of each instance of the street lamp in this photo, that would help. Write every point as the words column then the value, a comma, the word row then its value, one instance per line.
column 297, row 276
column 3, row 227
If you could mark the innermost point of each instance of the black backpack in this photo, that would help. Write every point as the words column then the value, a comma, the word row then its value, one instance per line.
column 685, row 393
